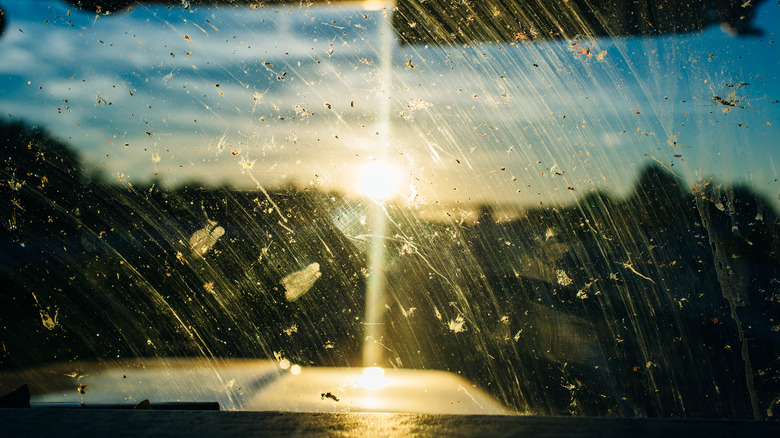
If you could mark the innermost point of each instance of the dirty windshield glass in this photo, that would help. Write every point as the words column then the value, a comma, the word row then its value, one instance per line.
column 572, row 206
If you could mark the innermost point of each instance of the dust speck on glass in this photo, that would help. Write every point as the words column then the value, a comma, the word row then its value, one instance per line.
column 570, row 205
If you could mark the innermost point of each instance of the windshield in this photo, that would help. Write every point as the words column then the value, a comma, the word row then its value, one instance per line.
column 572, row 207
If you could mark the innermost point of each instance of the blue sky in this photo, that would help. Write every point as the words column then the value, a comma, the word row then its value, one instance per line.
column 246, row 96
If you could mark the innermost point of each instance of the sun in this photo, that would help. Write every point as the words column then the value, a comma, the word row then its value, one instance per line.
column 378, row 180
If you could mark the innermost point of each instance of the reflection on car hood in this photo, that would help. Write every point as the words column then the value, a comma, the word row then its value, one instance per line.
column 259, row 385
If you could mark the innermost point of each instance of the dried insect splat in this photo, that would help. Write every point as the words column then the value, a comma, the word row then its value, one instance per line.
column 631, row 268
column 731, row 100
column 577, row 47
column 205, row 238
column 48, row 321
column 299, row 282
column 457, row 325
column 329, row 395
column 562, row 278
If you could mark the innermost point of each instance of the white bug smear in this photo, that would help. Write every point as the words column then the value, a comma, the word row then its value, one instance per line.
column 202, row 240
column 457, row 325
column 299, row 282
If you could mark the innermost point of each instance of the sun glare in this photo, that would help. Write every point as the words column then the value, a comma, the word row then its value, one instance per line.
column 373, row 378
column 378, row 180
